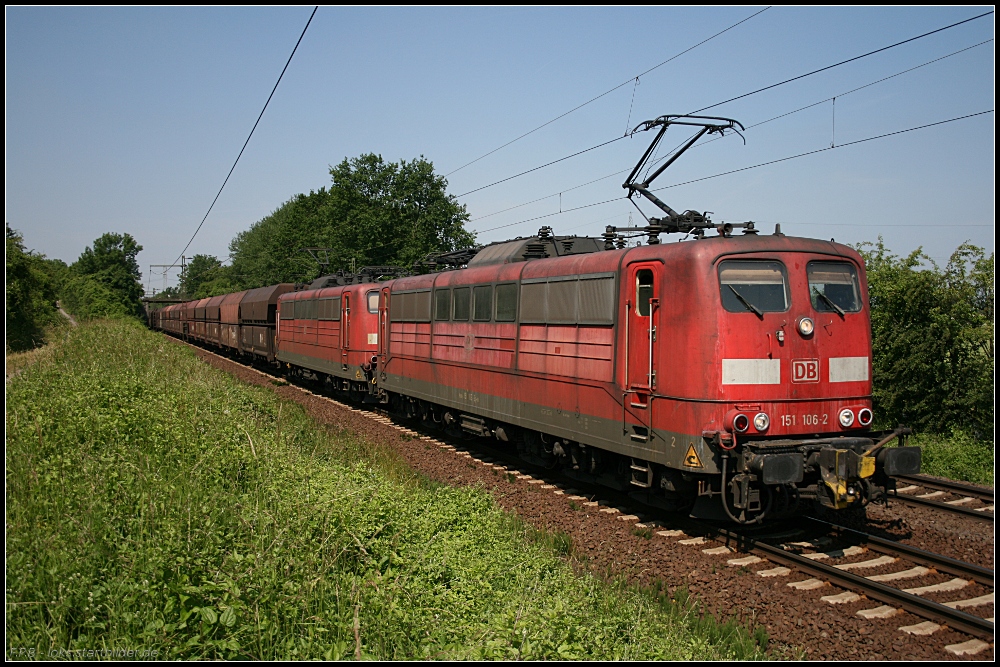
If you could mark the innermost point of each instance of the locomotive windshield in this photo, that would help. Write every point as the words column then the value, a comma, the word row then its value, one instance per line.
column 753, row 286
column 833, row 286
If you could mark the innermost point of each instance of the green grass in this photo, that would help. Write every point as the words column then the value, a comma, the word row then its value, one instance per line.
column 17, row 361
column 154, row 503
column 958, row 456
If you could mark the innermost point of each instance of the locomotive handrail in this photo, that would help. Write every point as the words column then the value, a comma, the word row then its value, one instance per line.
column 651, row 378
column 899, row 432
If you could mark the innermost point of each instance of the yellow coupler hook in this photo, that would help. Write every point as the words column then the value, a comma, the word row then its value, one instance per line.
column 840, row 467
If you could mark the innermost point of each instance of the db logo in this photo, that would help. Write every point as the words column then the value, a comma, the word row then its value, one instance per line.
column 805, row 370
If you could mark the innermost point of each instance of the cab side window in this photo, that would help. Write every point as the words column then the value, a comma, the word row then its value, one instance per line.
column 643, row 291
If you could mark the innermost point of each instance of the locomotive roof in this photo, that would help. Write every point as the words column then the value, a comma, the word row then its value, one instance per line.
column 546, row 246
column 550, row 247
column 704, row 251
column 713, row 247
column 535, row 247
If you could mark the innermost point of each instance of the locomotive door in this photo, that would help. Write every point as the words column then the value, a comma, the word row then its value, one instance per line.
column 643, row 300
column 383, row 327
column 345, row 330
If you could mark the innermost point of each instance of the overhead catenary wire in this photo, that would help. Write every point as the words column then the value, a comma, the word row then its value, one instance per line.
column 868, row 224
column 756, row 166
column 842, row 62
column 828, row 99
column 547, row 164
column 245, row 143
column 607, row 92
column 821, row 150
column 748, row 127
column 564, row 190
column 759, row 90
column 854, row 90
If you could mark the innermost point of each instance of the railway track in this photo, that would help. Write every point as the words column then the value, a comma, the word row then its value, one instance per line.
column 741, row 549
column 747, row 550
column 855, row 586
column 936, row 492
column 875, row 587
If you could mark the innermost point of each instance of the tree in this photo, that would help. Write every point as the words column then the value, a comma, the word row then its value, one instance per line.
column 932, row 338
column 221, row 283
column 30, row 294
column 374, row 213
column 205, row 276
column 392, row 214
column 88, row 298
column 106, row 279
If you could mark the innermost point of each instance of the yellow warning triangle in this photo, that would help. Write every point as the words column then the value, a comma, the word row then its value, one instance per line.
column 691, row 459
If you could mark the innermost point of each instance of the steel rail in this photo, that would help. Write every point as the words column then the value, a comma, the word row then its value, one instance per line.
column 934, row 611
column 939, row 562
column 951, row 486
column 938, row 505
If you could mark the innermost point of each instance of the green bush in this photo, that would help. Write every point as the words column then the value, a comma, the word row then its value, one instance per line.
column 88, row 298
column 956, row 456
column 30, row 295
column 932, row 339
column 155, row 503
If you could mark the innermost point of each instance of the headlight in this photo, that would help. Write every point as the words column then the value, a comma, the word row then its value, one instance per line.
column 864, row 416
column 741, row 423
column 846, row 417
column 761, row 422
column 806, row 326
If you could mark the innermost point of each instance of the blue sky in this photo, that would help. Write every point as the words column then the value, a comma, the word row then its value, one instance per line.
column 128, row 120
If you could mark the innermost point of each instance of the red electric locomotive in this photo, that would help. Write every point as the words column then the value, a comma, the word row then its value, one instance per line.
column 330, row 330
column 734, row 371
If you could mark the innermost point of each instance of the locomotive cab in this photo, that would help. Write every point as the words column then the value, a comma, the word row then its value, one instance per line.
column 779, row 376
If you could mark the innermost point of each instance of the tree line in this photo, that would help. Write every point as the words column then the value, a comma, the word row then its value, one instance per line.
column 103, row 282
column 374, row 213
